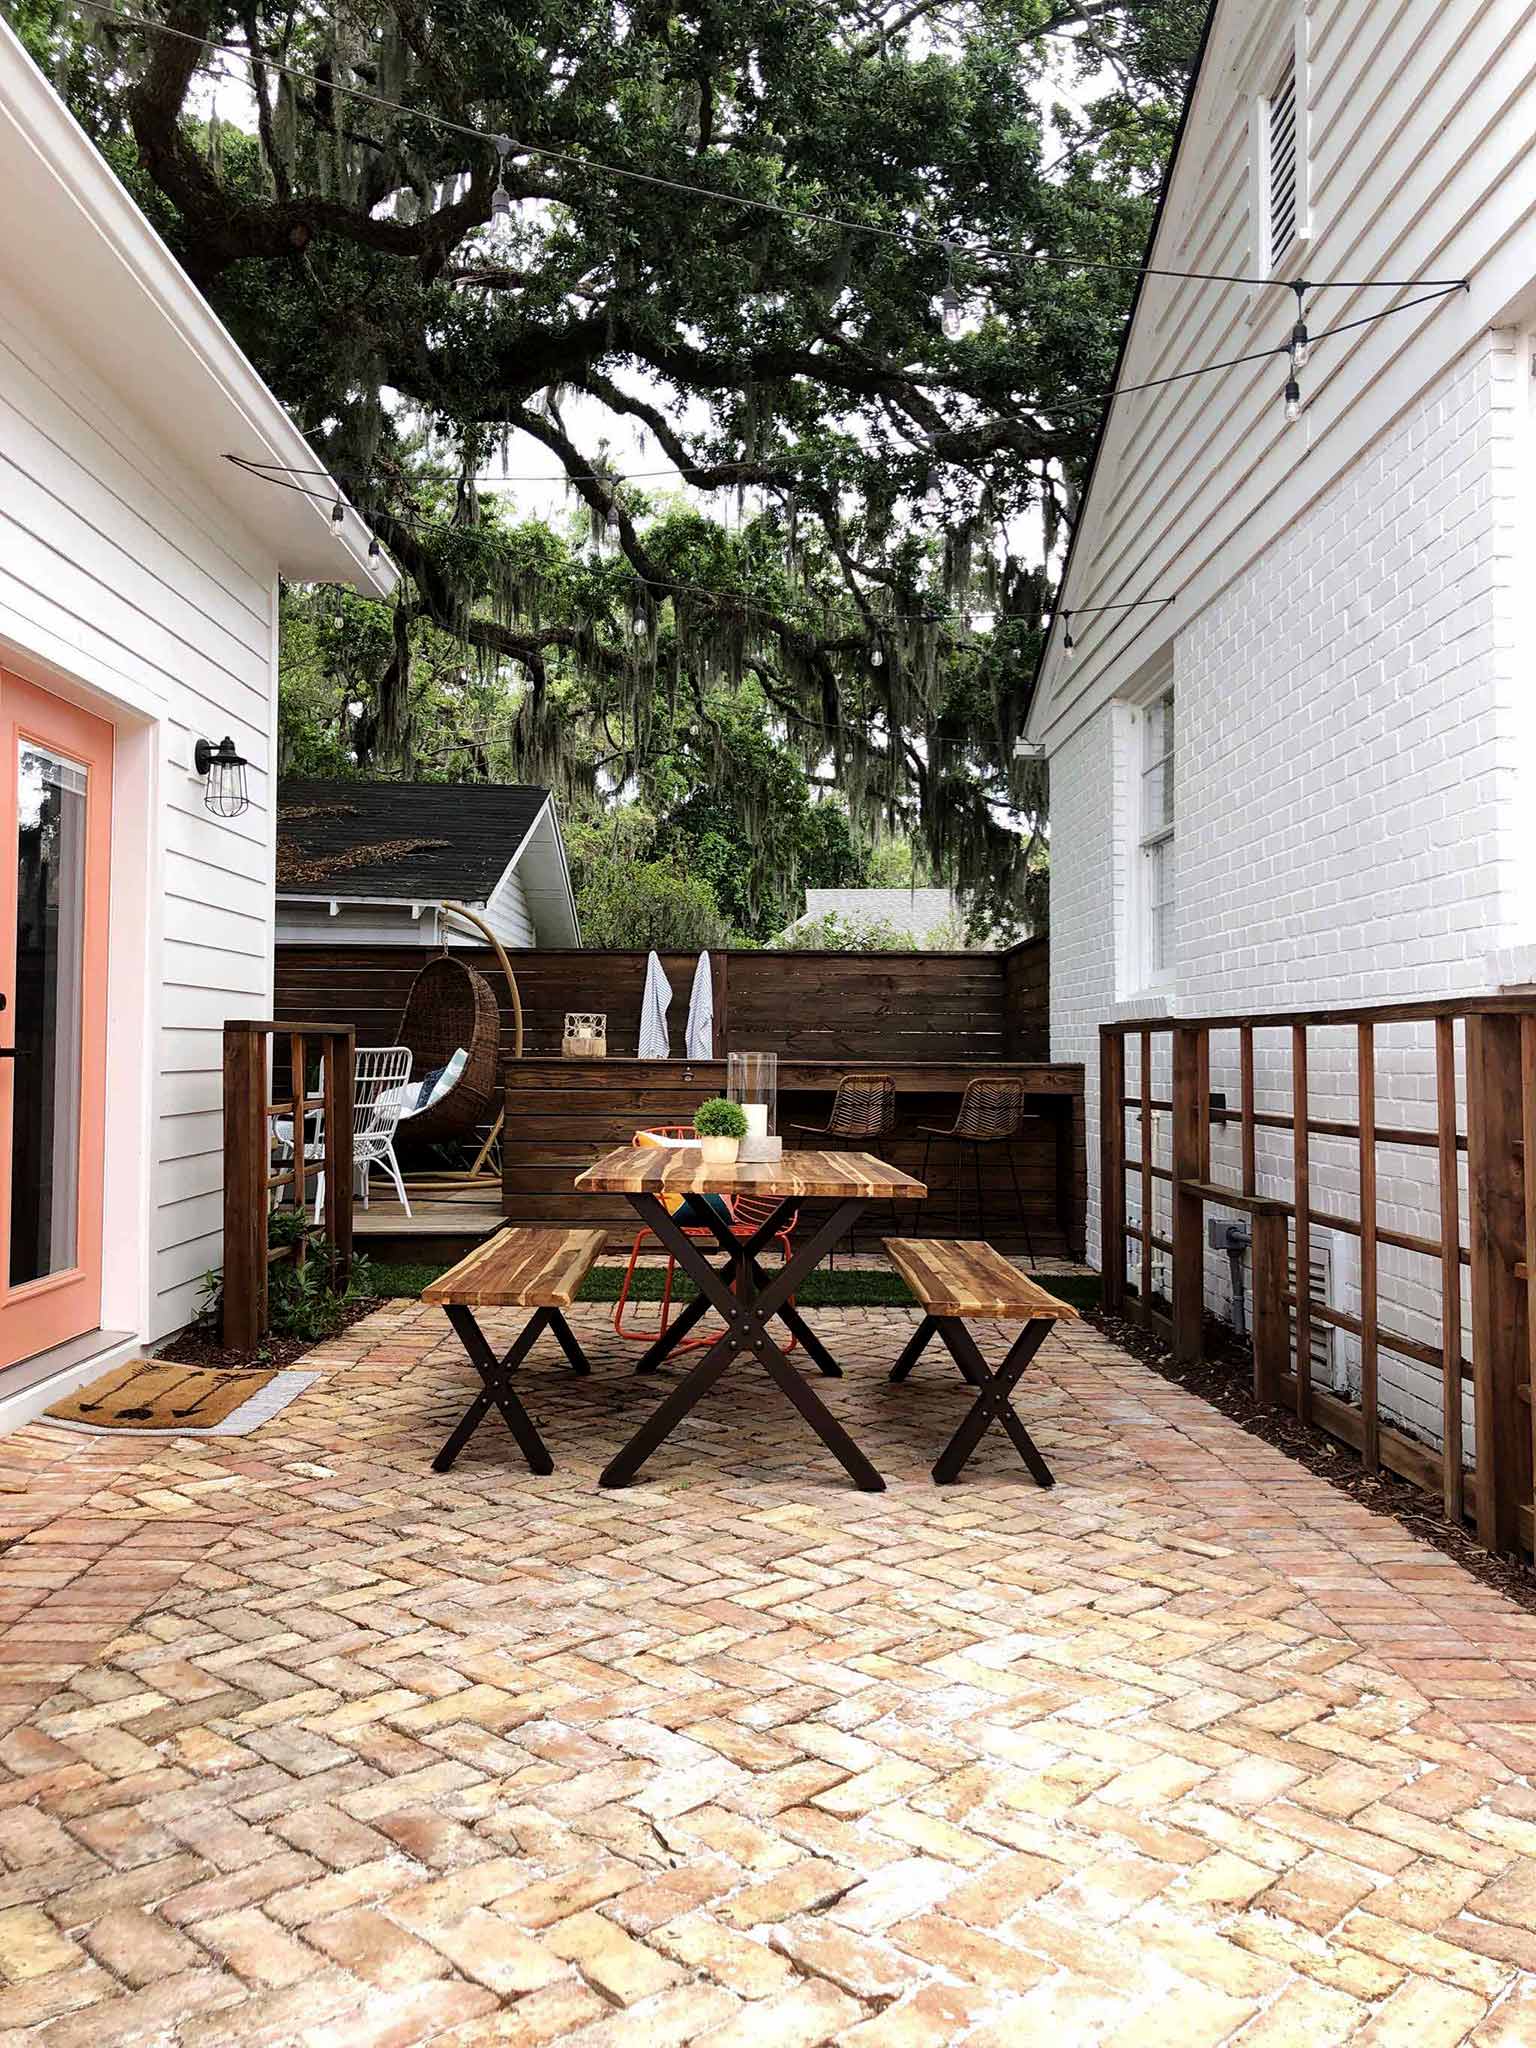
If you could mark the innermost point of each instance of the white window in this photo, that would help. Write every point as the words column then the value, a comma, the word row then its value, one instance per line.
column 1155, row 881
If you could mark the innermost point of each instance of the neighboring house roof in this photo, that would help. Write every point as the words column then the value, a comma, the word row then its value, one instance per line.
column 79, row 249
column 401, row 842
column 912, row 911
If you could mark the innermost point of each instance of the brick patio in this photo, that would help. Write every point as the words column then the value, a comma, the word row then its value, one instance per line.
column 302, row 1744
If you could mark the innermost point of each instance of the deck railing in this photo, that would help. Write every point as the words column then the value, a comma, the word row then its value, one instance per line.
column 256, row 1166
column 1464, row 1173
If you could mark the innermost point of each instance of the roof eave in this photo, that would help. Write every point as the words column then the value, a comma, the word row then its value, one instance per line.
column 1049, row 647
column 205, row 398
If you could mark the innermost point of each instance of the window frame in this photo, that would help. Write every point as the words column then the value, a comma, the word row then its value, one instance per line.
column 1156, row 726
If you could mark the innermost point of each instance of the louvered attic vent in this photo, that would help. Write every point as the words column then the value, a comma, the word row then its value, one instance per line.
column 1282, row 166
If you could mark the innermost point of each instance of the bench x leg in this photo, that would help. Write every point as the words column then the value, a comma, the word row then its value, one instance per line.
column 497, row 1375
column 747, row 1318
column 994, row 1394
column 916, row 1345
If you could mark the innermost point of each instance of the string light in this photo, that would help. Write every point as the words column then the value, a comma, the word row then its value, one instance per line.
column 1301, row 344
column 876, row 658
column 916, row 238
column 952, row 306
column 1292, row 401
column 338, row 512
column 1068, row 644
column 501, row 199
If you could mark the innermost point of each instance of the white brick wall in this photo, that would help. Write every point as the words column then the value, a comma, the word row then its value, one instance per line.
column 1351, row 823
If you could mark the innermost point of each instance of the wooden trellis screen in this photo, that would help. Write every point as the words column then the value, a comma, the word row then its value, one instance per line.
column 1474, row 1061
column 255, row 1167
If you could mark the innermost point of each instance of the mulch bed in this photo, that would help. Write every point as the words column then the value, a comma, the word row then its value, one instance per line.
column 201, row 1344
column 1224, row 1379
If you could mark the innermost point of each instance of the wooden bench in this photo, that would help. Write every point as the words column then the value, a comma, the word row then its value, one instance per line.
column 538, row 1269
column 957, row 1283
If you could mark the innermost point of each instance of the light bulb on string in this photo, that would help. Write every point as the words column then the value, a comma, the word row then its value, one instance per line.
column 933, row 491
column 338, row 512
column 1068, row 644
column 501, row 199
column 1301, row 341
column 640, row 625
column 1292, row 402
column 876, row 658
column 951, row 305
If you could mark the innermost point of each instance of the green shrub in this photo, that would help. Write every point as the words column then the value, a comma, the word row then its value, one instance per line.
column 720, row 1119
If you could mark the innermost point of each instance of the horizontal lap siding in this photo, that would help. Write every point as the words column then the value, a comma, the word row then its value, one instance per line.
column 1421, row 121
column 105, row 567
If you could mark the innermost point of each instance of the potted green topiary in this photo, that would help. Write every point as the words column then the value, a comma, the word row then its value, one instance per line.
column 721, row 1126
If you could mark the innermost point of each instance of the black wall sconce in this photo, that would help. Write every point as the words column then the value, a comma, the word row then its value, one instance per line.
column 226, row 794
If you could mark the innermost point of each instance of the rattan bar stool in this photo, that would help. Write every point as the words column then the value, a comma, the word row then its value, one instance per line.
column 991, row 1112
column 863, row 1107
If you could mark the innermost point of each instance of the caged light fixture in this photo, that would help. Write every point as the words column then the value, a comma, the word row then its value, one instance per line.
column 226, row 795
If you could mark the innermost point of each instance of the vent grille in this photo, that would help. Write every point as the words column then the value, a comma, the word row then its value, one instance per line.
column 1320, row 1335
column 1282, row 166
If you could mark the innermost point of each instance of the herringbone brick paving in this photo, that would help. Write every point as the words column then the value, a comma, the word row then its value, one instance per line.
column 304, row 1744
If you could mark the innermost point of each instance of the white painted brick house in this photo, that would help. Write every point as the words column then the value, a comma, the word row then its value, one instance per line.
column 1343, row 676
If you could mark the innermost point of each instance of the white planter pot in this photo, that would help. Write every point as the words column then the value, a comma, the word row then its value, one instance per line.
column 719, row 1151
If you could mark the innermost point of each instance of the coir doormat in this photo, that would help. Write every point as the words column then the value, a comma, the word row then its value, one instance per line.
column 152, row 1393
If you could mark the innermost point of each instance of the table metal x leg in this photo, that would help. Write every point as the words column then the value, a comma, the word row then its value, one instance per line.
column 747, row 1315
column 695, row 1310
column 994, row 1394
column 497, row 1374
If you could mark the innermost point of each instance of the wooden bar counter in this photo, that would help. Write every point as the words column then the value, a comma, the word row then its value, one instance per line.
column 561, row 1114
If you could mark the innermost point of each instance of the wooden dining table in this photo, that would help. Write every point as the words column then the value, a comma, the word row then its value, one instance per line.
column 749, row 1298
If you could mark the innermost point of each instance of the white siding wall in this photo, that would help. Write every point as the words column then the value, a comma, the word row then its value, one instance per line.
column 508, row 914
column 355, row 924
column 111, row 570
column 1354, row 784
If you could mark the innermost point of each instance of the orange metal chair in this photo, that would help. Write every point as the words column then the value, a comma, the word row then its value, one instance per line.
column 748, row 1214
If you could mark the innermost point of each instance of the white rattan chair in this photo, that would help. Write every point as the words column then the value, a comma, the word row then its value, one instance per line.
column 381, row 1095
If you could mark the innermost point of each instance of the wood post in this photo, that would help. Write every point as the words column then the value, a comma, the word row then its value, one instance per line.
column 1191, row 1151
column 1496, row 1234
column 1112, row 1170
column 245, row 1186
column 1450, row 1267
column 338, row 1096
column 1371, row 1448
column 1250, row 1148
column 1301, row 1182
column 1271, row 1316
column 1148, row 1205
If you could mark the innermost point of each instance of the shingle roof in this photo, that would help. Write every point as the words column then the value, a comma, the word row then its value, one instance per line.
column 420, row 841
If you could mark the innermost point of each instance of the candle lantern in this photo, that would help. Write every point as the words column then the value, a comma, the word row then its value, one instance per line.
column 586, row 1035
column 752, row 1079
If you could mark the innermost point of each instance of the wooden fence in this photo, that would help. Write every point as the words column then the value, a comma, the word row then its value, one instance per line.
column 252, row 1172
column 1439, row 1132
column 808, row 1006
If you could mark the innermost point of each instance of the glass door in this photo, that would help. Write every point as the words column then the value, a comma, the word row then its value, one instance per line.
column 55, row 815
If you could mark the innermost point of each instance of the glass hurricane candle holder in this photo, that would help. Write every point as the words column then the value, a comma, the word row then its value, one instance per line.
column 752, row 1079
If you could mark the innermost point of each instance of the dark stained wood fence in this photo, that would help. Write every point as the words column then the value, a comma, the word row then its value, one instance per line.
column 561, row 1114
column 809, row 1006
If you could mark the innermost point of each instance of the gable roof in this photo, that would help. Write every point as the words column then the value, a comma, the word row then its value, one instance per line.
column 400, row 842
column 912, row 911
column 1169, row 170
column 82, row 253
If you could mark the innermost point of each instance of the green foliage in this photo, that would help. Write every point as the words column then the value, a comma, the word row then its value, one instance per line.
column 718, row 1118
column 834, row 934
column 785, row 356
column 645, row 904
column 287, row 1226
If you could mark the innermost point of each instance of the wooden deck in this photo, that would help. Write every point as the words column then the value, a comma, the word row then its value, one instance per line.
column 450, row 1215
